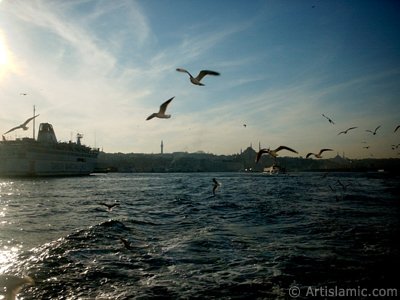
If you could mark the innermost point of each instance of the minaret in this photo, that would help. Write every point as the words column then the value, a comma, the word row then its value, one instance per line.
column 162, row 147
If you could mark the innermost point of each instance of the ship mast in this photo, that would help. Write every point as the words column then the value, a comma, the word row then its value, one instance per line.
column 34, row 111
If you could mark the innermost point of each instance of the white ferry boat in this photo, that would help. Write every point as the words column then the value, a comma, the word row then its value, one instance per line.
column 45, row 156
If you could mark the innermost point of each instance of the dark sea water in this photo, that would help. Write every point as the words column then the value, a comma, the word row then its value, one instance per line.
column 260, row 237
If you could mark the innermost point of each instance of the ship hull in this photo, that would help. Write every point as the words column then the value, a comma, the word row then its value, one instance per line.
column 32, row 159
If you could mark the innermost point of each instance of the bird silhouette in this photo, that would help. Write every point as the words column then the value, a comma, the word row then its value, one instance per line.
column 126, row 243
column 397, row 127
column 329, row 119
column 196, row 80
column 215, row 186
column 318, row 155
column 161, row 113
column 23, row 125
column 345, row 131
column 273, row 153
column 109, row 206
column 374, row 132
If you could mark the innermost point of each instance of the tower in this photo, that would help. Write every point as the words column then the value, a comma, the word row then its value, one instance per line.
column 162, row 147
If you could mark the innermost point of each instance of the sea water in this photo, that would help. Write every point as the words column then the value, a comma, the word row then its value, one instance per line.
column 260, row 237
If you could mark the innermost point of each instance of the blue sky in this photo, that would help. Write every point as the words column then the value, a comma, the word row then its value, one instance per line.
column 101, row 67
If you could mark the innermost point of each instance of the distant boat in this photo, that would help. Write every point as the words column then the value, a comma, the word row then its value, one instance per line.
column 45, row 156
column 274, row 170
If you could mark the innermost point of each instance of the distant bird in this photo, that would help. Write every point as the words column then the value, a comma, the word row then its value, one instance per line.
column 126, row 243
column 109, row 206
column 23, row 125
column 273, row 153
column 398, row 126
column 344, row 186
column 215, row 186
column 244, row 125
column 196, row 80
column 319, row 154
column 23, row 94
column 366, row 147
column 161, row 113
column 345, row 131
column 325, row 175
column 374, row 132
column 336, row 196
column 329, row 119
column 13, row 284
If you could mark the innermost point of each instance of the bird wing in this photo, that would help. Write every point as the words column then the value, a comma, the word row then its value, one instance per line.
column 309, row 154
column 27, row 121
column 151, row 116
column 377, row 128
column 285, row 148
column 12, row 129
column 184, row 71
column 398, row 126
column 163, row 107
column 351, row 128
column 323, row 150
column 260, row 153
column 206, row 72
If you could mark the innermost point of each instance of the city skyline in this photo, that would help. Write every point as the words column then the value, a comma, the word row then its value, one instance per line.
column 100, row 68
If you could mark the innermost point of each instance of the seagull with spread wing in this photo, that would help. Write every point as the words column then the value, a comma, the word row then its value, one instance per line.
column 318, row 155
column 345, row 131
column 374, row 132
column 329, row 119
column 23, row 125
column 196, row 80
column 109, row 206
column 161, row 113
column 273, row 153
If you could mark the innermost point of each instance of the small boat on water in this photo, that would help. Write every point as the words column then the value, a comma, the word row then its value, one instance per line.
column 45, row 156
column 273, row 170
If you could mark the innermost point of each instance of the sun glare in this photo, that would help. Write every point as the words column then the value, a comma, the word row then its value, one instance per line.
column 3, row 54
column 5, row 57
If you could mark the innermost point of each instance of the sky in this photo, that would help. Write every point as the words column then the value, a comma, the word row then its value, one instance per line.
column 99, row 68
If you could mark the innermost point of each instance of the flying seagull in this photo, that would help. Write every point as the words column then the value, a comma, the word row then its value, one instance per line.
column 329, row 119
column 216, row 185
column 344, row 186
column 319, row 154
column 398, row 126
column 373, row 132
column 126, row 243
column 23, row 125
column 161, row 113
column 345, row 131
column 196, row 80
column 273, row 153
column 109, row 206
column 13, row 285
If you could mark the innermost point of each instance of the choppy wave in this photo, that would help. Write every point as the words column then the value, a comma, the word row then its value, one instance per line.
column 259, row 236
